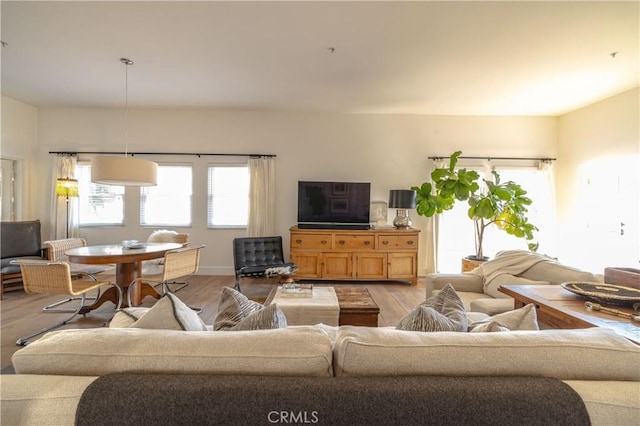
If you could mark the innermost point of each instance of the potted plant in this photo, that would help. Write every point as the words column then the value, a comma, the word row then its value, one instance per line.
column 503, row 204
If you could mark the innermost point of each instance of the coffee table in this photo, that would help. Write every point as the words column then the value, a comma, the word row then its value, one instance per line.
column 559, row 308
column 357, row 307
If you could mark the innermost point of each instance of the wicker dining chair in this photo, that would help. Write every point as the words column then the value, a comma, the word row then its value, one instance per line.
column 54, row 251
column 177, row 264
column 154, row 266
column 45, row 277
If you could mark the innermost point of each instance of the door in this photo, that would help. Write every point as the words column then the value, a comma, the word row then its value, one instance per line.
column 309, row 264
column 403, row 266
column 337, row 265
column 371, row 266
column 610, row 201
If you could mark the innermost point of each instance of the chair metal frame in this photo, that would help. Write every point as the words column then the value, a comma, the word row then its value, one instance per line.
column 54, row 251
column 177, row 263
column 253, row 256
column 180, row 238
column 46, row 277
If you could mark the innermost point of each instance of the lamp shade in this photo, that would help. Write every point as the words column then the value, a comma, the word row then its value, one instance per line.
column 125, row 171
column 402, row 198
column 66, row 187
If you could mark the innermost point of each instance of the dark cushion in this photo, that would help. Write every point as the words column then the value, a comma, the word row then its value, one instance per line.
column 7, row 268
column 20, row 239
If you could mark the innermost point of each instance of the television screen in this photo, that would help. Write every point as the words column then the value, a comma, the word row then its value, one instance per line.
column 333, row 202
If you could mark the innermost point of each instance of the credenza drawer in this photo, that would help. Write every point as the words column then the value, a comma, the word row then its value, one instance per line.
column 311, row 241
column 354, row 242
column 398, row 242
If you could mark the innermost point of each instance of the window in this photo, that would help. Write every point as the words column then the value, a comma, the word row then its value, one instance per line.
column 169, row 202
column 7, row 195
column 99, row 204
column 228, row 196
column 456, row 239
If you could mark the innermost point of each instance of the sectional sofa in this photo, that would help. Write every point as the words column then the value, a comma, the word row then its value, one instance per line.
column 323, row 375
column 479, row 288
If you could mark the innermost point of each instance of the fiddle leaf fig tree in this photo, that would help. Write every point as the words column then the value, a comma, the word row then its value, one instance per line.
column 501, row 204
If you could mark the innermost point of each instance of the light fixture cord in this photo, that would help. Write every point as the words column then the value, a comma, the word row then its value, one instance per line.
column 126, row 109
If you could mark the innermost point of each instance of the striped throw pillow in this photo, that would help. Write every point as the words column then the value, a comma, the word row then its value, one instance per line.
column 237, row 312
column 441, row 312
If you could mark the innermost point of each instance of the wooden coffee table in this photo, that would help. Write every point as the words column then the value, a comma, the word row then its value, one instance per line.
column 357, row 307
column 559, row 308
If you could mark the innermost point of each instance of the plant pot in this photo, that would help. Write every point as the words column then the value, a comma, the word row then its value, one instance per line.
column 471, row 262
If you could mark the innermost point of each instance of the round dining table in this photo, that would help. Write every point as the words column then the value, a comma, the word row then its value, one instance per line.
column 128, row 261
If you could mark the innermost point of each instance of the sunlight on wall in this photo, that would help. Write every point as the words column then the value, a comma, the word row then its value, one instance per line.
column 610, row 206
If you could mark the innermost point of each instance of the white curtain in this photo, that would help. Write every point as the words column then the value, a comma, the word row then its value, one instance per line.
column 548, row 223
column 63, row 167
column 433, row 231
column 262, row 197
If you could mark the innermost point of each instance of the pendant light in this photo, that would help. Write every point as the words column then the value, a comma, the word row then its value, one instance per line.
column 125, row 170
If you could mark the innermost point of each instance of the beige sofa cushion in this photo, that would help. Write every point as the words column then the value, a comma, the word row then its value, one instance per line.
column 41, row 399
column 300, row 351
column 609, row 403
column 491, row 306
column 587, row 354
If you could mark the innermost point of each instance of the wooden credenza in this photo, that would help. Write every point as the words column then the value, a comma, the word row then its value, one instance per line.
column 375, row 254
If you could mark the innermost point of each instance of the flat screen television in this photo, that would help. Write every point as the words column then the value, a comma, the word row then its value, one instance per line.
column 334, row 204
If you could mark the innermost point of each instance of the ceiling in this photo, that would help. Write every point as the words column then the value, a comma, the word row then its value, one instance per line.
column 449, row 58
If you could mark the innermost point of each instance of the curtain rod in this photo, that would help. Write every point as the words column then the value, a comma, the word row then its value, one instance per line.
column 497, row 158
column 198, row 154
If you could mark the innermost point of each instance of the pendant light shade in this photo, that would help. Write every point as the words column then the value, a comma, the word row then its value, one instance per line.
column 125, row 171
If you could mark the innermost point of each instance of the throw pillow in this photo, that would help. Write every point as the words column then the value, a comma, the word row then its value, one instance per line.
column 233, row 308
column 162, row 236
column 441, row 312
column 488, row 327
column 524, row 318
column 264, row 319
column 170, row 313
column 127, row 316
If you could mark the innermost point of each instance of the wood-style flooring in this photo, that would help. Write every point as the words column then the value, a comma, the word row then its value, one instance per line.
column 22, row 314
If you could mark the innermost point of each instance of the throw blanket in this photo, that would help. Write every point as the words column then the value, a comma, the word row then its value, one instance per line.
column 508, row 262
column 322, row 308
column 138, row 399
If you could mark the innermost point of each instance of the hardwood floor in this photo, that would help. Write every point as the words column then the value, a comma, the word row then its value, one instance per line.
column 22, row 314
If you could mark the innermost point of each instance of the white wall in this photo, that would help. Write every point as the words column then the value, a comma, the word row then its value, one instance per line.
column 19, row 143
column 606, row 130
column 388, row 151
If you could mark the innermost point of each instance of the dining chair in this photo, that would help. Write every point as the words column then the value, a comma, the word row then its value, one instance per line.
column 54, row 250
column 154, row 267
column 254, row 256
column 46, row 277
column 178, row 263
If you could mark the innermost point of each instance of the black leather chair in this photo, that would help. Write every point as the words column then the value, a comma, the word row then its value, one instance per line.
column 252, row 256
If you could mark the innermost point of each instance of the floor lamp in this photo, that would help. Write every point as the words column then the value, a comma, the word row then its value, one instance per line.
column 68, row 188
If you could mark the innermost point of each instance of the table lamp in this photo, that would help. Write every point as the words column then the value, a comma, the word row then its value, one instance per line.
column 401, row 200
